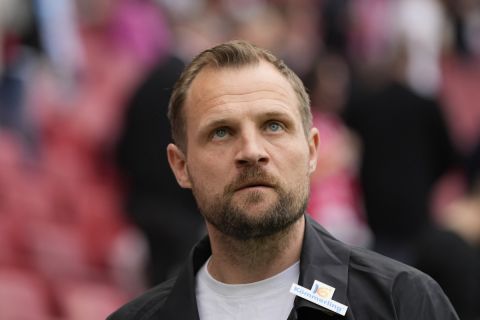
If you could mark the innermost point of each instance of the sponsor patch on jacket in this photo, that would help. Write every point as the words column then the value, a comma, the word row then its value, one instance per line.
column 320, row 294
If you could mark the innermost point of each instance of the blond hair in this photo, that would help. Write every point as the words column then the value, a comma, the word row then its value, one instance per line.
column 236, row 53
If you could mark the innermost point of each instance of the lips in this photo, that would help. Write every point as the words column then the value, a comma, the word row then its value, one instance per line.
column 253, row 185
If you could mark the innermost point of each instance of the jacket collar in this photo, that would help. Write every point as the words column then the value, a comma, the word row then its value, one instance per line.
column 323, row 258
column 182, row 301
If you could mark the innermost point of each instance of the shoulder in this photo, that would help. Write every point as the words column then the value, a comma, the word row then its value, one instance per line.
column 409, row 293
column 371, row 263
column 382, row 271
column 378, row 286
column 142, row 307
column 365, row 262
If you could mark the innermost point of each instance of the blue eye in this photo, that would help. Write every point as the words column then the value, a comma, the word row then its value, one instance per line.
column 220, row 133
column 274, row 126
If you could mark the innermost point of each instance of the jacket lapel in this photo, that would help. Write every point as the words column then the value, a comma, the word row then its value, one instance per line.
column 325, row 259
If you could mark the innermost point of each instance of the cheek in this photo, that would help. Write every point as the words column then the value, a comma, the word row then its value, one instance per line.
column 295, row 160
column 207, row 174
column 293, row 170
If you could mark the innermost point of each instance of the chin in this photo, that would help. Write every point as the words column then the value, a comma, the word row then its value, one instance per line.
column 257, row 197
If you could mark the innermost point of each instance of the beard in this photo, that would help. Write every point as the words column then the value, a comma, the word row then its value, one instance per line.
column 233, row 219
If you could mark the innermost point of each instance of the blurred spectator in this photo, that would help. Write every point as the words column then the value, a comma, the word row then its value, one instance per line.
column 463, row 214
column 460, row 94
column 335, row 200
column 406, row 148
column 61, row 39
column 165, row 213
column 336, row 25
column 462, row 217
column 20, row 54
column 369, row 33
column 419, row 26
column 464, row 17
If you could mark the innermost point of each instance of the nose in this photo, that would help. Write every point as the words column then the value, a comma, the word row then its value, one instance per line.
column 251, row 150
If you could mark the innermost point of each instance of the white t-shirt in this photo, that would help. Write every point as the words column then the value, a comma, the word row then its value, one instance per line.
column 267, row 299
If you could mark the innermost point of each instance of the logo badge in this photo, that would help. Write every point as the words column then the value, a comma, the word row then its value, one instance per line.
column 320, row 294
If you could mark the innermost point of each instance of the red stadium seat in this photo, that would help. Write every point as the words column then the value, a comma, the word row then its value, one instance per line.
column 23, row 296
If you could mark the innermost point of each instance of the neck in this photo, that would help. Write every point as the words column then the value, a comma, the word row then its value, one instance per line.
column 245, row 261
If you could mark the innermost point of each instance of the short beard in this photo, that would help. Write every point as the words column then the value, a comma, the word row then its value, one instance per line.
column 233, row 221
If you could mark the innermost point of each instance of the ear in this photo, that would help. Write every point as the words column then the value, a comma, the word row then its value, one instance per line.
column 178, row 164
column 313, row 143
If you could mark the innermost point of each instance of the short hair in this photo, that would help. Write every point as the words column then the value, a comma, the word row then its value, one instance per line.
column 237, row 53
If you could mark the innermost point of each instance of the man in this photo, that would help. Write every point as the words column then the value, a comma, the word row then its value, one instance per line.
column 245, row 145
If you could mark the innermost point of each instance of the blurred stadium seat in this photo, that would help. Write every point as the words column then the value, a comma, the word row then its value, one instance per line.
column 23, row 296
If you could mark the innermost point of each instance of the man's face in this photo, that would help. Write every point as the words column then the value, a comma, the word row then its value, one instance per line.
column 248, row 160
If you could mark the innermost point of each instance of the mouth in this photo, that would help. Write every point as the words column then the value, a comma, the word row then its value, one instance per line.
column 254, row 185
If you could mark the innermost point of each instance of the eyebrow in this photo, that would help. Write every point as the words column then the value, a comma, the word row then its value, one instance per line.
column 277, row 114
column 212, row 124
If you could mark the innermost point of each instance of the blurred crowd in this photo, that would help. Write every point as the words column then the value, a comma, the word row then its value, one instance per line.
column 90, row 214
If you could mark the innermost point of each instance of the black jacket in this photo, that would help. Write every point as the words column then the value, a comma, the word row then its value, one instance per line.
column 371, row 285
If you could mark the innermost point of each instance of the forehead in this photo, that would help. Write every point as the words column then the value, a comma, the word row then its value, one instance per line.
column 216, row 86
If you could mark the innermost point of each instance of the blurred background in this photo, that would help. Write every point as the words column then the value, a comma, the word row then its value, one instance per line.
column 90, row 214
